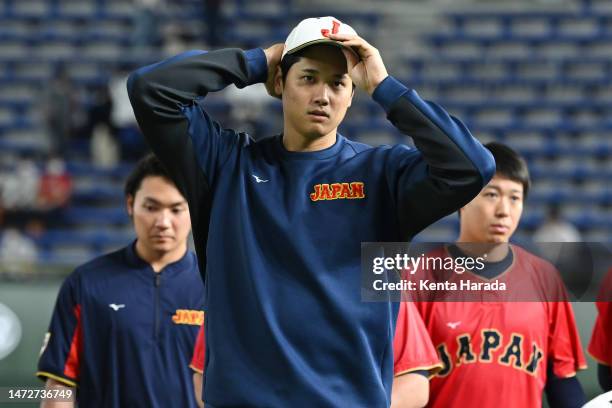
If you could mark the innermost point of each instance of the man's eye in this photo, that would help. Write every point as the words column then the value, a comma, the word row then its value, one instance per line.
column 338, row 84
column 308, row 78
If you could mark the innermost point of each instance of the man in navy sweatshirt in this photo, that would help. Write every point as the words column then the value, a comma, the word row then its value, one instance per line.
column 286, row 326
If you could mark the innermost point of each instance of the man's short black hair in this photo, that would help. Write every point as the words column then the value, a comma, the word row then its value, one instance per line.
column 148, row 166
column 287, row 62
column 509, row 164
column 290, row 59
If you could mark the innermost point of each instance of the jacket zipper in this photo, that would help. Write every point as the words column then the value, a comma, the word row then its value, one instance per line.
column 157, row 285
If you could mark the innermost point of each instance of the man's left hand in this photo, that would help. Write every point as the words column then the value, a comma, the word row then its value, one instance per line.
column 369, row 70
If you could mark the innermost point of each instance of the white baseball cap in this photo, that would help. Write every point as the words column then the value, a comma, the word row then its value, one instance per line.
column 315, row 31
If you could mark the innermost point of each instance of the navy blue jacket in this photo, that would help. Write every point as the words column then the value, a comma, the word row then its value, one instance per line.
column 124, row 335
column 285, row 323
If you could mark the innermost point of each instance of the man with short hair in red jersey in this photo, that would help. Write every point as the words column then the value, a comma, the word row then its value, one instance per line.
column 501, row 348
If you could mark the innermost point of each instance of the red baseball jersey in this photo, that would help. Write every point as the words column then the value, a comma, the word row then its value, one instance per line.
column 600, row 346
column 412, row 347
column 497, row 353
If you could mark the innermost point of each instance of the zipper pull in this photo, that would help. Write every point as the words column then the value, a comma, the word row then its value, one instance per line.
column 157, row 279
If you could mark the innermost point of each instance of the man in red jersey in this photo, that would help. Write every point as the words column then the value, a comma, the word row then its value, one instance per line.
column 415, row 360
column 498, row 352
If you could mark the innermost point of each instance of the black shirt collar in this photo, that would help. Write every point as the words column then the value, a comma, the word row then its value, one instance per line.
column 491, row 269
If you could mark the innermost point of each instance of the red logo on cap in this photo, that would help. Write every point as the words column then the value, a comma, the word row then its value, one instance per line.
column 335, row 27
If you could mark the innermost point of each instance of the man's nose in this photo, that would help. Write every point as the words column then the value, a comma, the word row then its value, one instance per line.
column 503, row 208
column 163, row 220
column 322, row 95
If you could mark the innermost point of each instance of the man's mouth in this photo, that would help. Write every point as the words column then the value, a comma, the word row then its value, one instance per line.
column 499, row 228
column 319, row 113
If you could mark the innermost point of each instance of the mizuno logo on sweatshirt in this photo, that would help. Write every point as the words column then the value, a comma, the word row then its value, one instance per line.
column 335, row 191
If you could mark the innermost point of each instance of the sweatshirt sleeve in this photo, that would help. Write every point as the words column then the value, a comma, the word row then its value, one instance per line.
column 168, row 102
column 167, row 99
column 446, row 170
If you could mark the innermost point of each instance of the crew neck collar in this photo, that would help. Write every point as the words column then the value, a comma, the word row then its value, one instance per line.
column 314, row 155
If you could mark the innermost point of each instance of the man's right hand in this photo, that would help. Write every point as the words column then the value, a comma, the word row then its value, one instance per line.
column 273, row 55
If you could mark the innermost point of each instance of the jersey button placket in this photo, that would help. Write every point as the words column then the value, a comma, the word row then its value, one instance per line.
column 157, row 307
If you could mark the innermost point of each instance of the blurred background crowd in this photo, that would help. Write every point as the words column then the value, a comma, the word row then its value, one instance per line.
column 534, row 74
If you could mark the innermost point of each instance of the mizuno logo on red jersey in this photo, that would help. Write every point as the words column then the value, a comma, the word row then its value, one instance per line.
column 335, row 191
column 185, row 316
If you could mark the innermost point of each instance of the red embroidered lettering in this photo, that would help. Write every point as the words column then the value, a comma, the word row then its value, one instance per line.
column 317, row 193
column 357, row 190
column 336, row 187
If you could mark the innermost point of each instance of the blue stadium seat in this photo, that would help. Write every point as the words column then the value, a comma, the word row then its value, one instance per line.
column 99, row 194
column 96, row 216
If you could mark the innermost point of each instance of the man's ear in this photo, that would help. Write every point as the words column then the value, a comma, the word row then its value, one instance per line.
column 129, row 204
column 351, row 100
column 278, row 82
